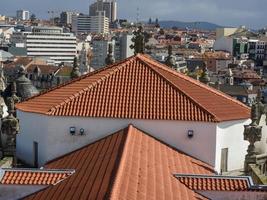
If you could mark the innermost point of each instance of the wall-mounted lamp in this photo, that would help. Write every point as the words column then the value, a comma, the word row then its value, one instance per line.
column 82, row 131
column 190, row 133
column 72, row 130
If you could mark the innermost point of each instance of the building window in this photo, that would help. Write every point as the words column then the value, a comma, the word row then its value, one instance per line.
column 35, row 154
column 224, row 160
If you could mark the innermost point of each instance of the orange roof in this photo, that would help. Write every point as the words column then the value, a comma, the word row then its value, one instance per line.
column 126, row 165
column 45, row 69
column 19, row 61
column 138, row 88
column 33, row 176
column 214, row 183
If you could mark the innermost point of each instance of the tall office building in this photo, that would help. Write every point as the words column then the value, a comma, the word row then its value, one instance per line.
column 125, row 41
column 109, row 6
column 99, row 23
column 100, row 51
column 81, row 23
column 121, row 49
column 90, row 24
column 66, row 17
column 49, row 43
column 23, row 15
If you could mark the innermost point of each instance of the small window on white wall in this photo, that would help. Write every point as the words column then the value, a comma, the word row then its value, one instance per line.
column 35, row 154
column 224, row 160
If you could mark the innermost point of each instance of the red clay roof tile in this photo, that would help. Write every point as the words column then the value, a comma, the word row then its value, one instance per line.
column 126, row 165
column 45, row 69
column 214, row 183
column 33, row 177
column 138, row 88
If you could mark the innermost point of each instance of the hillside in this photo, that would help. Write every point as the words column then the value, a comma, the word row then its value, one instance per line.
column 190, row 25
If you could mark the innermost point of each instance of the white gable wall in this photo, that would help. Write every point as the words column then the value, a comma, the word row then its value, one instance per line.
column 33, row 127
column 54, row 139
column 230, row 135
column 261, row 147
column 237, row 195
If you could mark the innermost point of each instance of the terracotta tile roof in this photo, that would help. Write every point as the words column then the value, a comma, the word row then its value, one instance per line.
column 64, row 71
column 126, row 165
column 45, row 69
column 33, row 177
column 10, row 68
column 220, row 183
column 138, row 88
column 19, row 61
column 214, row 183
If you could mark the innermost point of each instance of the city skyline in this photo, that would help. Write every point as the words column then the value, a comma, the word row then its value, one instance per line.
column 225, row 13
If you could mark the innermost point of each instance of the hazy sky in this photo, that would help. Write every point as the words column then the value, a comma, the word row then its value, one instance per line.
column 251, row 13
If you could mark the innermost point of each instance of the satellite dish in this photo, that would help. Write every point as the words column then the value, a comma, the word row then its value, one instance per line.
column 89, row 38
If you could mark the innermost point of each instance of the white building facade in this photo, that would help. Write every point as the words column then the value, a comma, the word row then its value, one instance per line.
column 23, row 15
column 54, row 139
column 183, row 113
column 90, row 24
column 48, row 42
column 66, row 17
column 100, row 52
column 108, row 6
column 81, row 24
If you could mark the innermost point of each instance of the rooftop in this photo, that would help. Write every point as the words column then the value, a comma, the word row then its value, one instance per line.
column 219, row 183
column 128, row 164
column 137, row 88
column 33, row 176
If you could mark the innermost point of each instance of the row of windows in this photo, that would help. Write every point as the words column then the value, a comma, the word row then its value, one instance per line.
column 51, row 43
column 45, row 35
column 60, row 39
column 53, row 57
column 50, row 47
column 53, row 53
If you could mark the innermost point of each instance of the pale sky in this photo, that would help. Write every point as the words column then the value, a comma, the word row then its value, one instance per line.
column 251, row 13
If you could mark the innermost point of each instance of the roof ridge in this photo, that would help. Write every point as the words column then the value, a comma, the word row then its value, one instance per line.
column 92, row 85
column 175, row 87
column 121, row 166
column 186, row 98
column 195, row 82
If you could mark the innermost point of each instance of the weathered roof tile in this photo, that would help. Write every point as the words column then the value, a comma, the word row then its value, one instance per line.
column 137, row 88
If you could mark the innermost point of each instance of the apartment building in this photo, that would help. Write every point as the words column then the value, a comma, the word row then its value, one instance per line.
column 23, row 15
column 109, row 6
column 90, row 24
column 50, row 43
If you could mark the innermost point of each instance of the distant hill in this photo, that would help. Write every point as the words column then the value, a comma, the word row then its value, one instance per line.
column 190, row 25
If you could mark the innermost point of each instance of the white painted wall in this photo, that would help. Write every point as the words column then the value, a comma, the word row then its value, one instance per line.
column 261, row 147
column 230, row 135
column 52, row 134
column 11, row 192
column 224, row 44
column 33, row 127
column 226, row 195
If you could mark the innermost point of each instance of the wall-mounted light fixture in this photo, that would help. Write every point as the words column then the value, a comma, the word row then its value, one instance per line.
column 72, row 130
column 82, row 131
column 190, row 133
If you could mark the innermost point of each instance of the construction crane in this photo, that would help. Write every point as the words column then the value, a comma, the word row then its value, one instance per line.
column 52, row 13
